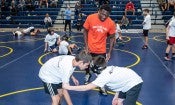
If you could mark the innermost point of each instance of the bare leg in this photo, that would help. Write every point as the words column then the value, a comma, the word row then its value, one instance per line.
column 67, row 97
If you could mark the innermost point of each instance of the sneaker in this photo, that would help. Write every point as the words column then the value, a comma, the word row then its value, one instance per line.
column 167, row 58
column 103, row 91
column 87, row 78
column 145, row 47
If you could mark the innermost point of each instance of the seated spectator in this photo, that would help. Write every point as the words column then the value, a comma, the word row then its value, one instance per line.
column 171, row 5
column 65, row 48
column 130, row 7
column 44, row 3
column 124, row 22
column 47, row 21
column 21, row 5
column 29, row 5
column 163, row 4
column 52, row 40
column 13, row 10
column 53, row 3
column 30, row 30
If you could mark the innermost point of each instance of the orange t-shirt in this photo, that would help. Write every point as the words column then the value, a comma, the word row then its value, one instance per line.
column 98, row 32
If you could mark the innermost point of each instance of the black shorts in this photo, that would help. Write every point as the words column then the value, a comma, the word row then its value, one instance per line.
column 130, row 97
column 145, row 32
column 52, row 89
column 95, row 54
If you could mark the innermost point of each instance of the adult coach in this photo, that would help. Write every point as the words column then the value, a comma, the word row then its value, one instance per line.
column 97, row 28
column 146, row 27
column 58, row 70
column 124, row 81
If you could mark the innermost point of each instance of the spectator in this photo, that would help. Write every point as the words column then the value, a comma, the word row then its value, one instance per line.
column 67, row 14
column 130, row 7
column 47, row 21
column 53, row 3
column 163, row 4
column 29, row 5
column 80, row 21
column 21, row 5
column 171, row 5
column 44, row 3
column 124, row 22
column 77, row 8
column 13, row 10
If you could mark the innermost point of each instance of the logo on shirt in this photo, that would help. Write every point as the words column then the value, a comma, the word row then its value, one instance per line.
column 100, row 29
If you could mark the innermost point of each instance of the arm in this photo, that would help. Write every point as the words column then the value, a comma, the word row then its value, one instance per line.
column 80, row 88
column 76, row 82
column 46, row 46
column 115, row 99
column 85, row 33
column 112, row 41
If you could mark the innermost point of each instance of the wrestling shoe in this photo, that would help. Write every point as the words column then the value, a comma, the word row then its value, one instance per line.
column 103, row 91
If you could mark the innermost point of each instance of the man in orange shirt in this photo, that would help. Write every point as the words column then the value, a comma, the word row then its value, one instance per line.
column 97, row 28
column 130, row 7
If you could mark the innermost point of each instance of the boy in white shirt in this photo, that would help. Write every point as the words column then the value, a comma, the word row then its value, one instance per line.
column 124, row 81
column 170, row 36
column 52, row 40
column 65, row 48
column 58, row 70
column 30, row 30
column 146, row 27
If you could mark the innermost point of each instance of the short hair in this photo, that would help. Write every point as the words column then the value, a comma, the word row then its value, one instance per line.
column 98, row 64
column 146, row 10
column 106, row 7
column 100, row 61
column 83, row 56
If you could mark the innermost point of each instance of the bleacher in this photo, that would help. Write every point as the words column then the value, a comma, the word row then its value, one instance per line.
column 25, row 19
column 118, row 9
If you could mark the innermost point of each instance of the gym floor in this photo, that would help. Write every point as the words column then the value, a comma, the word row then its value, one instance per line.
column 22, row 57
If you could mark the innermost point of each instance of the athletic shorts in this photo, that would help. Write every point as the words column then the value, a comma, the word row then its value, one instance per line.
column 130, row 97
column 145, row 32
column 171, row 41
column 52, row 89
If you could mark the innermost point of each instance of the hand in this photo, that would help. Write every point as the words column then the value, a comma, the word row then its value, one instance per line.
column 76, row 82
column 115, row 101
column 66, row 86
column 108, row 56
column 120, row 38
column 167, row 38
column 45, row 50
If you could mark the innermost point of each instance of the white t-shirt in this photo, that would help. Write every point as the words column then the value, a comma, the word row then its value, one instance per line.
column 118, row 78
column 51, row 39
column 18, row 33
column 172, row 28
column 28, row 29
column 57, row 69
column 118, row 29
column 147, row 21
column 63, row 47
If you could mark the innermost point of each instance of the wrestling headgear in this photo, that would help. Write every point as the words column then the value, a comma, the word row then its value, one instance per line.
column 98, row 64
